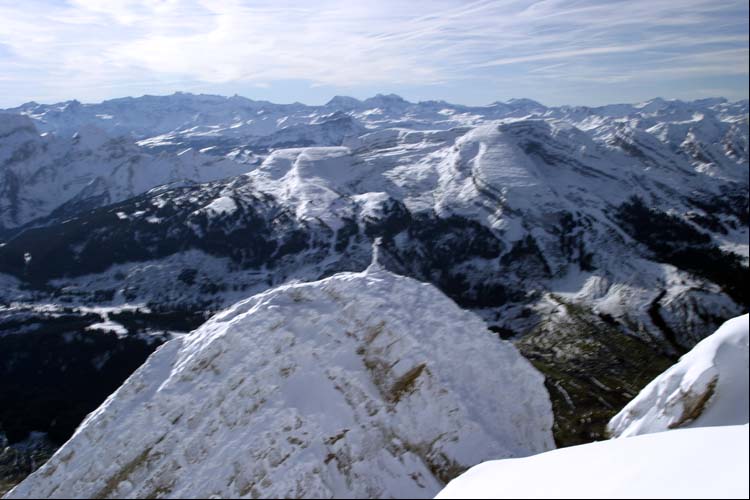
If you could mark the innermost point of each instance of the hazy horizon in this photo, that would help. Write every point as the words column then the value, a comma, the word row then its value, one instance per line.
column 361, row 99
column 578, row 52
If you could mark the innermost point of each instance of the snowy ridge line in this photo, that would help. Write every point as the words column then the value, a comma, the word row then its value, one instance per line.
column 345, row 387
column 707, row 387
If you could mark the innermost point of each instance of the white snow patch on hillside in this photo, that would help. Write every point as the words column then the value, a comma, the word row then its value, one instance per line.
column 109, row 326
column 371, row 204
column 709, row 462
column 707, row 387
column 360, row 385
column 221, row 206
column 311, row 180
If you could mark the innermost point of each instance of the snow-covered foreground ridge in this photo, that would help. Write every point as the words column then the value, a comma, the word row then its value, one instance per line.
column 709, row 462
column 359, row 385
column 707, row 387
column 707, row 391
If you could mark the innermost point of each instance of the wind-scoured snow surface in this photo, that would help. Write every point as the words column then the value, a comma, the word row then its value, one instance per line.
column 359, row 385
column 710, row 462
column 708, row 387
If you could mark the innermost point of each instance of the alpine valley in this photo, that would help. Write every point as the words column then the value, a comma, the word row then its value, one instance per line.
column 600, row 243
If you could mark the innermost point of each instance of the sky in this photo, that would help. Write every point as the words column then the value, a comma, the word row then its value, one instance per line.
column 587, row 52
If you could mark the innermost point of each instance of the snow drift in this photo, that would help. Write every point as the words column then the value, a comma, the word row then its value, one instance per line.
column 360, row 385
column 707, row 387
column 710, row 462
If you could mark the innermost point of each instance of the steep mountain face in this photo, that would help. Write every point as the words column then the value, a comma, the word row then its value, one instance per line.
column 708, row 387
column 51, row 177
column 361, row 385
column 584, row 234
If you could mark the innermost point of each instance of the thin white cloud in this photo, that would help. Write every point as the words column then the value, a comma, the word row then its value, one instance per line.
column 384, row 43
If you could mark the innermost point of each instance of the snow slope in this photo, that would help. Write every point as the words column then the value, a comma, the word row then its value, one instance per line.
column 685, row 463
column 707, row 387
column 360, row 385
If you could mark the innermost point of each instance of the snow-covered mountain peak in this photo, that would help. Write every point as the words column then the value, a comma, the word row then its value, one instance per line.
column 73, row 106
column 360, row 385
column 654, row 104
